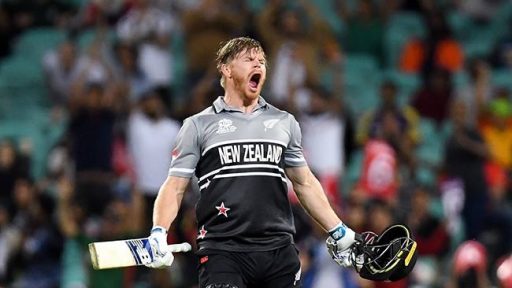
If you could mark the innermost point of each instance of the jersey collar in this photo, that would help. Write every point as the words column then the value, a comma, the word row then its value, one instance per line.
column 219, row 105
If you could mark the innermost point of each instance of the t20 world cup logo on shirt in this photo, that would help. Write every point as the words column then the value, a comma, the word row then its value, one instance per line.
column 225, row 126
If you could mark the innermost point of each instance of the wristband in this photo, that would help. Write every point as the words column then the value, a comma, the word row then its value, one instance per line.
column 158, row 229
column 338, row 231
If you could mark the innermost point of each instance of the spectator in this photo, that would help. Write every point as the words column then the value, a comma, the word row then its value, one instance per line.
column 502, row 52
column 79, row 230
column 151, row 134
column 102, row 12
column 61, row 69
column 365, row 32
column 331, row 68
column 294, row 41
column 91, row 132
column 142, row 21
column 13, row 165
column 157, row 63
column 397, row 125
column 504, row 272
column 40, row 247
column 379, row 173
column 9, row 237
column 497, row 132
column 479, row 10
column 7, row 32
column 324, row 148
column 95, row 64
column 30, row 14
column 433, row 98
column 470, row 266
column 439, row 50
column 131, row 78
column 209, row 23
column 465, row 155
column 497, row 236
column 477, row 92
column 429, row 231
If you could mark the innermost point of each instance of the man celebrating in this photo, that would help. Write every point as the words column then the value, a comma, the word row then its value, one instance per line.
column 240, row 149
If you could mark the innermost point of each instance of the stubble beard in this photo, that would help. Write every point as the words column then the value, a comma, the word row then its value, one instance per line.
column 240, row 85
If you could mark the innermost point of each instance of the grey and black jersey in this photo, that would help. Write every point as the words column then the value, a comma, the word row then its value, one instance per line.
column 239, row 160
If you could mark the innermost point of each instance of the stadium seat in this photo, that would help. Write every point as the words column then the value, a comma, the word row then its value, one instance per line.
column 87, row 37
column 460, row 79
column 460, row 24
column 35, row 42
column 431, row 149
column 401, row 27
column 21, row 71
column 180, row 64
column 362, row 79
column 407, row 85
column 327, row 9
column 502, row 78
column 425, row 175
column 353, row 171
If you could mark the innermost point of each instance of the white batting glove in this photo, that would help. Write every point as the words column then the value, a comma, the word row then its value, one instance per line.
column 161, row 255
column 340, row 239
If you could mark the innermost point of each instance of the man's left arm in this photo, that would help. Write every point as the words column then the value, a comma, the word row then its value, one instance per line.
column 312, row 197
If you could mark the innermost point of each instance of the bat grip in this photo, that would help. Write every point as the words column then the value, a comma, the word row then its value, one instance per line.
column 182, row 247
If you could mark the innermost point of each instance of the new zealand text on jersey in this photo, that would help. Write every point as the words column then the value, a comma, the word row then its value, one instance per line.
column 247, row 153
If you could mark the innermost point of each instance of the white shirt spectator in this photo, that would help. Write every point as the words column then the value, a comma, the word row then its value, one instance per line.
column 150, row 143
column 287, row 70
column 467, row 94
column 322, row 140
column 156, row 63
column 58, row 78
column 139, row 24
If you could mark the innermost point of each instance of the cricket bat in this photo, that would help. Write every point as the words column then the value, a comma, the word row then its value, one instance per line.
column 124, row 253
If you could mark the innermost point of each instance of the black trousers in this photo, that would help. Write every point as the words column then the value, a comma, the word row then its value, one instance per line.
column 279, row 268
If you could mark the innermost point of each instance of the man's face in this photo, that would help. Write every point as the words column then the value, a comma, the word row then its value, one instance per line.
column 248, row 72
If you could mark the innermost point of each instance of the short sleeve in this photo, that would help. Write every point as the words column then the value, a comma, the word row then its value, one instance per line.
column 186, row 151
column 293, row 156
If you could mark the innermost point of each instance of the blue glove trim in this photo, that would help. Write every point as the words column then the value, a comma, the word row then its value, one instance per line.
column 158, row 229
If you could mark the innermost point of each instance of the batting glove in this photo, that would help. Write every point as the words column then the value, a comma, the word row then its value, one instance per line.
column 340, row 239
column 158, row 242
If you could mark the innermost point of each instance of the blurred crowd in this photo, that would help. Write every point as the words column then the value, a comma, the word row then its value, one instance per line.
column 406, row 126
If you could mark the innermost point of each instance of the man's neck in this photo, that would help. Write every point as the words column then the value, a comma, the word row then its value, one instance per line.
column 236, row 100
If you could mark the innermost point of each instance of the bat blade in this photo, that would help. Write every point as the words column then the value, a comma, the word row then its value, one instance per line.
column 125, row 253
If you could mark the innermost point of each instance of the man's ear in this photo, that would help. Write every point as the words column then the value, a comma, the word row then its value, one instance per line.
column 226, row 70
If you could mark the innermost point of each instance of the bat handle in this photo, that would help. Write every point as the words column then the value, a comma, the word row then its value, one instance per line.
column 182, row 247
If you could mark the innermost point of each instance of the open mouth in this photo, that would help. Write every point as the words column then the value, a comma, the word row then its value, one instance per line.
column 254, row 81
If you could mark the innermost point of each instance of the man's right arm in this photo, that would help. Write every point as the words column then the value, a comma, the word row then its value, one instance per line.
column 168, row 201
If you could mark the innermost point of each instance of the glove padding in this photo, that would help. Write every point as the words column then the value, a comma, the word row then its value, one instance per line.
column 340, row 240
column 158, row 243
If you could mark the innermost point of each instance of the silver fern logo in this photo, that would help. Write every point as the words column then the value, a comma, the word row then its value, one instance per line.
column 269, row 124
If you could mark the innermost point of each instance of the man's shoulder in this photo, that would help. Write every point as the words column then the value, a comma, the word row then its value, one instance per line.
column 204, row 113
column 200, row 117
column 278, row 112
